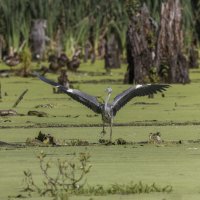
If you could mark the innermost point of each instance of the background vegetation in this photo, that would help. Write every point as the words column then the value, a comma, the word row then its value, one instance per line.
column 75, row 17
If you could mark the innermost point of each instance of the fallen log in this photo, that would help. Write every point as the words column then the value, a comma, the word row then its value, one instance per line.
column 37, row 113
column 8, row 113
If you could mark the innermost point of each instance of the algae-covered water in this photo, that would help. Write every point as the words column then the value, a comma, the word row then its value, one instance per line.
column 176, row 116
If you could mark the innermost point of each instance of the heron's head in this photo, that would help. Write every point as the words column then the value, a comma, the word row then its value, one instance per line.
column 108, row 90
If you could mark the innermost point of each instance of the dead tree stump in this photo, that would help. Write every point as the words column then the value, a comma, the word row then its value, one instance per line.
column 112, row 52
column 38, row 38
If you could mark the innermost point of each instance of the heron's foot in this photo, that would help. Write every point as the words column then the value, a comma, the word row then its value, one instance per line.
column 103, row 132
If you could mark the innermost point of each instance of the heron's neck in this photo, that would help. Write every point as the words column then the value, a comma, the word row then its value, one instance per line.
column 107, row 100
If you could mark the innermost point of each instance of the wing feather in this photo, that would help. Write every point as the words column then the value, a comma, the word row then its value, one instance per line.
column 123, row 98
column 83, row 98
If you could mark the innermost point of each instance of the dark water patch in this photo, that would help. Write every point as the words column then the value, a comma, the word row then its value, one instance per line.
column 136, row 123
column 144, row 103
column 20, row 82
column 10, row 146
column 51, row 98
column 102, row 81
column 195, row 71
column 96, row 73
column 195, row 80
column 86, row 73
column 178, row 96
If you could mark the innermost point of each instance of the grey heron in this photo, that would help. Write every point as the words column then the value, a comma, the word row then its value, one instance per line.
column 106, row 109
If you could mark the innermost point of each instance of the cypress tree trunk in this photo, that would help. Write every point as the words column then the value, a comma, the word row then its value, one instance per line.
column 170, row 44
column 140, row 47
column 193, row 55
column 90, row 44
column 2, row 44
column 59, row 41
column 156, row 55
column 129, row 76
column 112, row 52
column 196, row 13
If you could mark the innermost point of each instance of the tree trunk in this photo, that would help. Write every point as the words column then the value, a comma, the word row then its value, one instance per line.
column 196, row 22
column 170, row 44
column 193, row 55
column 112, row 53
column 156, row 55
column 2, row 46
column 90, row 44
column 59, row 42
column 140, row 47
column 129, row 76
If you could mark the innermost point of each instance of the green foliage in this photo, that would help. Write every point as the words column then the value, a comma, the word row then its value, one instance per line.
column 123, row 189
column 13, row 18
column 164, row 71
column 132, row 6
column 70, row 180
column 153, row 76
column 75, row 18
column 26, row 61
column 70, row 176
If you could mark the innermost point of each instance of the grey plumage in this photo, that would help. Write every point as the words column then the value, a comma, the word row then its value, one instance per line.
column 106, row 109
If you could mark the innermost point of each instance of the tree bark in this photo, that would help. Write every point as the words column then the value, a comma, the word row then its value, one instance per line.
column 140, row 47
column 156, row 54
column 193, row 55
column 112, row 52
column 170, row 44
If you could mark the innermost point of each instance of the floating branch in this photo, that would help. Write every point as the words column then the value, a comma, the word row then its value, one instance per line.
column 8, row 113
column 20, row 98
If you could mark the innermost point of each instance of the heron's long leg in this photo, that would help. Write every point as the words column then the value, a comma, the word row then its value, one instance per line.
column 103, row 131
column 103, row 127
column 111, row 132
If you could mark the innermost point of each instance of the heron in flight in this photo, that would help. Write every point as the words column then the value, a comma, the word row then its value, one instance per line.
column 106, row 109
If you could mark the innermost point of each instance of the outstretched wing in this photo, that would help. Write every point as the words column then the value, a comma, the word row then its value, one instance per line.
column 140, row 90
column 86, row 99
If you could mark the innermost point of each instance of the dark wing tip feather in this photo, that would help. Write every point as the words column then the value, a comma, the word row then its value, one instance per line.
column 140, row 90
column 42, row 78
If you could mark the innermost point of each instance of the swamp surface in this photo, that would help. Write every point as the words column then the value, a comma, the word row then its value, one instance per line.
column 175, row 162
